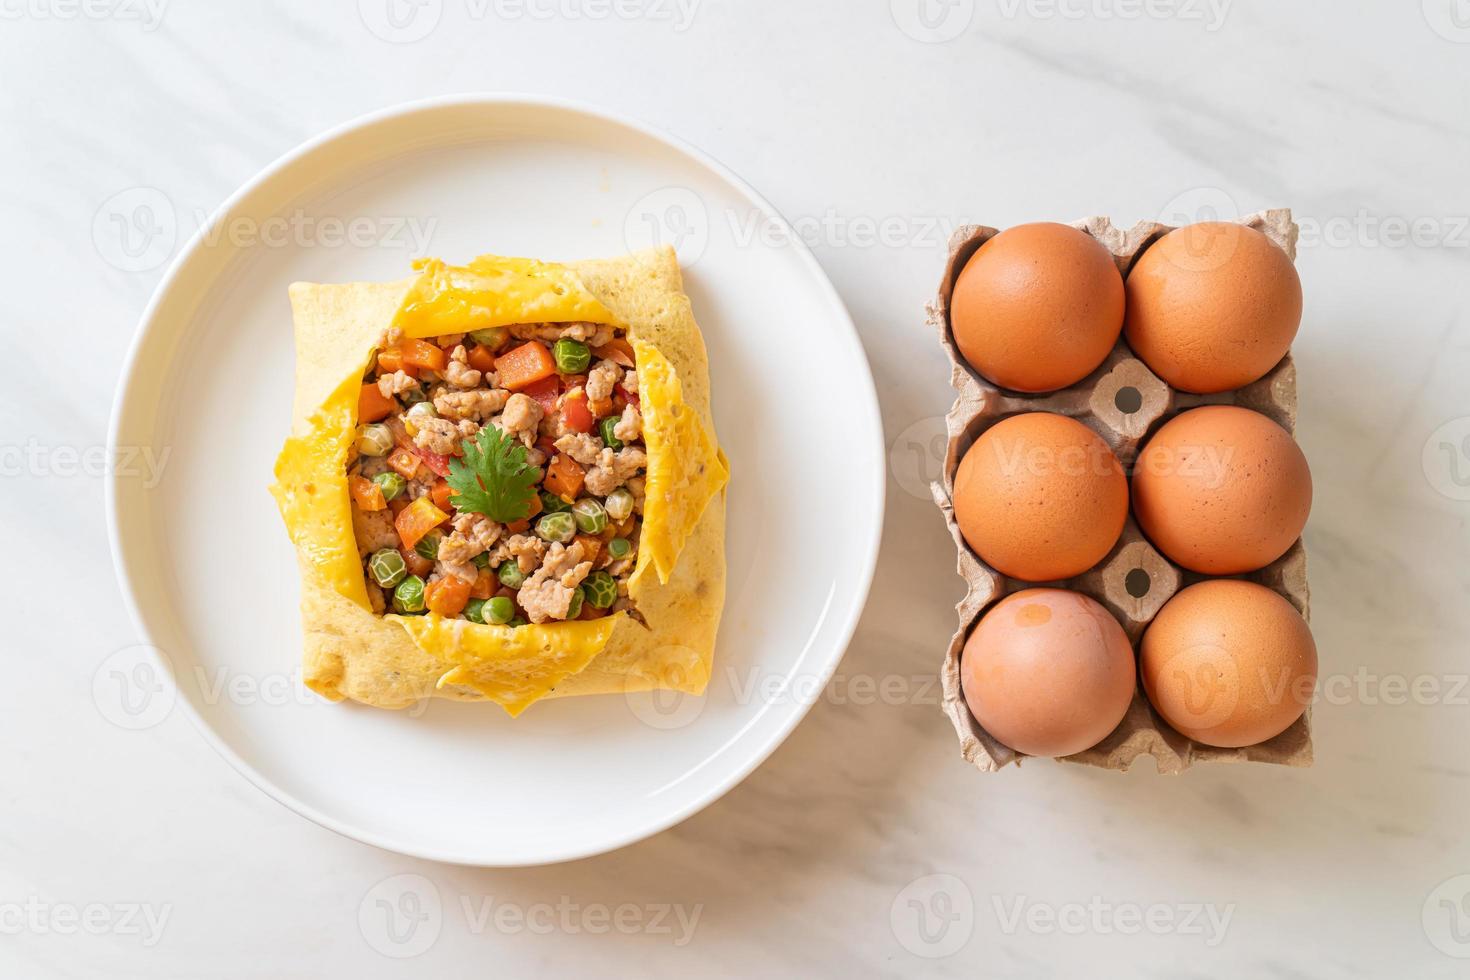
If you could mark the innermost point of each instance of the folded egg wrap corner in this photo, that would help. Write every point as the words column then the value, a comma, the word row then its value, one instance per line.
column 678, row 583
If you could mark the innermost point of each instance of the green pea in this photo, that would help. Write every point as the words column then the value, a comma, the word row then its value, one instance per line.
column 552, row 504
column 375, row 440
column 414, row 396
column 428, row 545
column 391, row 484
column 572, row 356
column 387, row 567
column 620, row 548
column 619, row 504
column 491, row 337
column 409, row 596
column 422, row 410
column 482, row 560
column 499, row 610
column 574, row 608
column 517, row 621
column 556, row 527
column 474, row 611
column 510, row 575
column 605, row 429
column 601, row 589
column 589, row 515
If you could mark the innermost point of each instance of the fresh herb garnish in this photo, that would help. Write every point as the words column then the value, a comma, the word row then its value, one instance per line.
column 494, row 477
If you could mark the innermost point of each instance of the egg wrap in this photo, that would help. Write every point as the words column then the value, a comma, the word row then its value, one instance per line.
column 678, row 582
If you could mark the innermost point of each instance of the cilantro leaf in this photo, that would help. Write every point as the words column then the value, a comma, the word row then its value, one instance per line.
column 493, row 478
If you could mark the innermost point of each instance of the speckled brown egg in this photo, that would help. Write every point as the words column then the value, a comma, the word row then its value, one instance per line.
column 1212, row 306
column 1048, row 672
column 1229, row 663
column 1040, row 497
column 1038, row 307
column 1222, row 490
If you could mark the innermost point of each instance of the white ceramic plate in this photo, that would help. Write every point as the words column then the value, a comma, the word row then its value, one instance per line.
column 209, row 572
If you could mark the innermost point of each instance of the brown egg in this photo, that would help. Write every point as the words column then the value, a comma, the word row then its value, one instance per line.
column 1048, row 672
column 1212, row 306
column 1038, row 307
column 1222, row 490
column 1040, row 497
column 1229, row 663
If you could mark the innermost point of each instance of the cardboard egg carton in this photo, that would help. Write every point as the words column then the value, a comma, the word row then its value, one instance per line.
column 1125, row 403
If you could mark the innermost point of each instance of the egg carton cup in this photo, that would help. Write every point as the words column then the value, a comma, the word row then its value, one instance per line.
column 1124, row 402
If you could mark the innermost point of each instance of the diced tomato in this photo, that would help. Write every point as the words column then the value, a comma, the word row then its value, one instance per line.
column 524, row 365
column 373, row 405
column 485, row 585
column 404, row 462
column 482, row 358
column 422, row 354
column 365, row 493
column 435, row 462
column 417, row 520
column 417, row 564
column 631, row 396
column 543, row 392
column 564, row 477
column 575, row 414
column 570, row 381
column 618, row 350
column 447, row 596
column 441, row 494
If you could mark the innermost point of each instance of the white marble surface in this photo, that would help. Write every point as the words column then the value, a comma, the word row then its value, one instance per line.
column 850, row 125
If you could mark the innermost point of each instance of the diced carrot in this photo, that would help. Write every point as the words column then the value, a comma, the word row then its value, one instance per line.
column 440, row 494
column 373, row 405
column 601, row 408
column 417, row 563
column 481, row 358
column 404, row 463
column 524, row 365
column 519, row 527
column 564, row 477
column 447, row 596
column 422, row 354
column 485, row 585
column 589, row 611
column 536, row 507
column 591, row 547
column 391, row 360
column 617, row 350
column 575, row 414
column 417, row 520
column 365, row 493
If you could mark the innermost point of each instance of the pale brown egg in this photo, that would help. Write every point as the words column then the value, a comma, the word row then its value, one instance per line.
column 1222, row 490
column 1040, row 497
column 1212, row 306
column 1229, row 663
column 1048, row 672
column 1038, row 307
